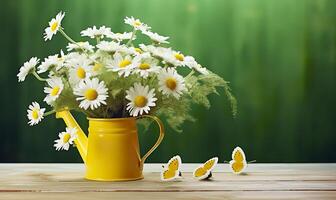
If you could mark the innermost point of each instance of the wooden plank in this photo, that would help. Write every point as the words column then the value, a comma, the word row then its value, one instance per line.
column 260, row 171
column 251, row 195
column 187, row 167
column 259, row 177
column 262, row 181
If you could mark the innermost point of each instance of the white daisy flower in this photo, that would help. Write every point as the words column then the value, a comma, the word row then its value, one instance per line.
column 74, row 58
column 98, row 60
column 121, row 36
column 188, row 61
column 128, row 50
column 35, row 113
column 176, row 58
column 79, row 46
column 51, row 62
column 54, row 90
column 171, row 83
column 79, row 73
column 109, row 47
column 92, row 93
column 97, row 68
column 136, row 23
column 97, row 55
column 200, row 69
column 27, row 67
column 79, row 68
column 65, row 139
column 160, row 52
column 61, row 63
column 122, row 64
column 170, row 56
column 146, row 65
column 54, row 26
column 173, row 57
column 148, row 48
column 96, row 33
column 156, row 37
column 141, row 99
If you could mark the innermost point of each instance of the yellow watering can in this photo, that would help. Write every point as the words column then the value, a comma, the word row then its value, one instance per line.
column 111, row 150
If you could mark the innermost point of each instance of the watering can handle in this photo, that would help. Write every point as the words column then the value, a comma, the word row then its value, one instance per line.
column 158, row 141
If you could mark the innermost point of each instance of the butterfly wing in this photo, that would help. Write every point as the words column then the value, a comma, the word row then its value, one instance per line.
column 174, row 163
column 204, row 170
column 200, row 172
column 211, row 163
column 238, row 162
column 238, row 155
column 168, row 175
column 172, row 169
column 237, row 167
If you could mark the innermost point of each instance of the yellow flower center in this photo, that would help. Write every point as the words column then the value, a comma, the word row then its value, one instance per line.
column 137, row 23
column 54, row 26
column 81, row 73
column 124, row 63
column 138, row 50
column 55, row 91
column 66, row 137
column 144, row 66
column 140, row 101
column 97, row 67
column 91, row 94
column 35, row 114
column 171, row 83
column 179, row 56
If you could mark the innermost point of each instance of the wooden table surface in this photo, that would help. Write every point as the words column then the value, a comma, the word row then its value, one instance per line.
column 262, row 181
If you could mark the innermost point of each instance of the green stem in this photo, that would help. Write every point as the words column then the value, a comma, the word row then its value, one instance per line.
column 49, row 113
column 190, row 74
column 73, row 41
column 55, row 72
column 67, row 37
column 151, row 80
column 98, row 40
column 131, row 39
column 38, row 77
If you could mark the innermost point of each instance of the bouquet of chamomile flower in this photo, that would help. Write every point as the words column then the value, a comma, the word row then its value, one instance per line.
column 116, row 77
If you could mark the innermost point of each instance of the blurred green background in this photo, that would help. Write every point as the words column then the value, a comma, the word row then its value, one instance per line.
column 280, row 57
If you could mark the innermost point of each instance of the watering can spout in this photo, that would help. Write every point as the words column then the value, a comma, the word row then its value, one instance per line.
column 81, row 141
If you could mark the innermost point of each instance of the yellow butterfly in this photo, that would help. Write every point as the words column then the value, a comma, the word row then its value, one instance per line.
column 172, row 170
column 238, row 163
column 204, row 171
